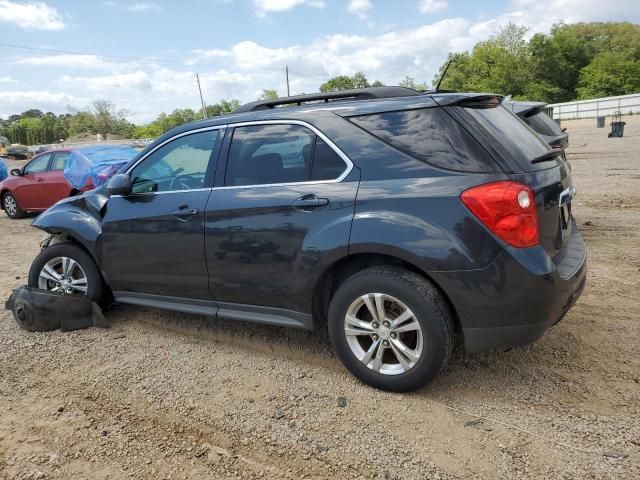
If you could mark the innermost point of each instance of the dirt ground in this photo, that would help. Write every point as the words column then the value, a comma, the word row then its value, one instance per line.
column 165, row 395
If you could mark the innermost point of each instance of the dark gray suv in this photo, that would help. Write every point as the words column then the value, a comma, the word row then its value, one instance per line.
column 401, row 221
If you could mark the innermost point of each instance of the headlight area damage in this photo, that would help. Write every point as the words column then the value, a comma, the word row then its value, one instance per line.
column 38, row 310
column 79, row 217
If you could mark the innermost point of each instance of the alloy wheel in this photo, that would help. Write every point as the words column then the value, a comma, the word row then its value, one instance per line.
column 10, row 205
column 63, row 275
column 383, row 333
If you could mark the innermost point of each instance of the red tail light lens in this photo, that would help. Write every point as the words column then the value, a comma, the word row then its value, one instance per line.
column 507, row 209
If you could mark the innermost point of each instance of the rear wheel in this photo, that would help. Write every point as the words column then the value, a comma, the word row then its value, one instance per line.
column 65, row 268
column 391, row 328
column 11, row 207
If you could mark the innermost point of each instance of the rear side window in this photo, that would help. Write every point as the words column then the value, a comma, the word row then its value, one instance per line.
column 280, row 153
column 430, row 135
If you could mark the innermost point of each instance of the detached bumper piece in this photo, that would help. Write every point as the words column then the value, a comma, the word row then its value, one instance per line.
column 38, row 310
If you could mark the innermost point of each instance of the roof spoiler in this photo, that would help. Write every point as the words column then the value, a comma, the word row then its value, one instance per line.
column 481, row 100
column 355, row 94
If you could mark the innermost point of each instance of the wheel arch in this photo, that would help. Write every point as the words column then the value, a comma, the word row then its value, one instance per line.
column 339, row 271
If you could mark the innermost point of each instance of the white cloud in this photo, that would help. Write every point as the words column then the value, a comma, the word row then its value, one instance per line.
column 31, row 15
column 201, row 55
column 265, row 6
column 361, row 8
column 19, row 101
column 242, row 70
column 144, row 7
column 67, row 60
column 127, row 81
column 432, row 6
column 7, row 79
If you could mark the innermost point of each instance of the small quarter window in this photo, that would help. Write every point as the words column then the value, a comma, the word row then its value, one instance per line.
column 179, row 165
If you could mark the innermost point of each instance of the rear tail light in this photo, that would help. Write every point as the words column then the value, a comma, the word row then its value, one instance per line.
column 507, row 209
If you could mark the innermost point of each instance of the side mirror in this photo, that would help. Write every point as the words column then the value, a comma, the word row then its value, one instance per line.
column 119, row 184
column 16, row 172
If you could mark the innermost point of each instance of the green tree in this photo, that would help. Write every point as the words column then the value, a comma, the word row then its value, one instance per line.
column 345, row 82
column 269, row 94
column 410, row 82
column 610, row 73
column 223, row 107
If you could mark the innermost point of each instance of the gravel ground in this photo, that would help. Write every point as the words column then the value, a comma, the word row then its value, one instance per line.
column 165, row 395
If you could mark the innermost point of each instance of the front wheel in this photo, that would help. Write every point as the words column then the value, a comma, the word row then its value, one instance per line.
column 65, row 268
column 11, row 207
column 391, row 328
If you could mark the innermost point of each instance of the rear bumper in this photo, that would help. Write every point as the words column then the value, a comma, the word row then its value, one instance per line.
column 514, row 300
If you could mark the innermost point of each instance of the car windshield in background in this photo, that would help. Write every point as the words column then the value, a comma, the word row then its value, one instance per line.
column 509, row 135
column 543, row 124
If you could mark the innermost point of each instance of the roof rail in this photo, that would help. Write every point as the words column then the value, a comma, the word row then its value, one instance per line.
column 355, row 94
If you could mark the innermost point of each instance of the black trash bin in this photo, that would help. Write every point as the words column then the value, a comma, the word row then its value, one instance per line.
column 600, row 121
column 617, row 129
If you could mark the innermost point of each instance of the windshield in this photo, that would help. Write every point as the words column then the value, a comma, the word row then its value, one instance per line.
column 509, row 136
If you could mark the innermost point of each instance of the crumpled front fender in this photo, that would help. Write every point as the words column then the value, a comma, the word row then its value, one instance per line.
column 78, row 217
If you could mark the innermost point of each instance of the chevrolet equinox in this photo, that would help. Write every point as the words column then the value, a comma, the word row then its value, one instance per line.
column 399, row 221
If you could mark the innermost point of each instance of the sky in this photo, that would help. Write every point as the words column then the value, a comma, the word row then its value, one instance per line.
column 144, row 55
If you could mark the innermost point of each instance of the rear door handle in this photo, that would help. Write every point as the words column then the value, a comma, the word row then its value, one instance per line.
column 309, row 202
column 39, row 179
column 184, row 213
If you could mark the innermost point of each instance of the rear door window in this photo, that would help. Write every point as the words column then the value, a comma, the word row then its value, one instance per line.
column 327, row 164
column 280, row 153
column 59, row 161
column 430, row 135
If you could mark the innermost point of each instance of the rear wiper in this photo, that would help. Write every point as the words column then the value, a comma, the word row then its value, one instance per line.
column 548, row 155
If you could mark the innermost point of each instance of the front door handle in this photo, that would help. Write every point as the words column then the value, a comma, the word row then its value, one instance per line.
column 309, row 202
column 185, row 213
column 39, row 179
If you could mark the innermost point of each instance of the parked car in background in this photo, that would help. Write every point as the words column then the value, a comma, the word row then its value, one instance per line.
column 4, row 171
column 19, row 152
column 532, row 113
column 54, row 175
column 400, row 221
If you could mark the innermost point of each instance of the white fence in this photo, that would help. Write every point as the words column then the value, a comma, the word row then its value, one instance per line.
column 598, row 107
column 55, row 146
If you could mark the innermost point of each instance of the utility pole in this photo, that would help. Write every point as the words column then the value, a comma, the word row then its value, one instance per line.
column 204, row 108
column 286, row 72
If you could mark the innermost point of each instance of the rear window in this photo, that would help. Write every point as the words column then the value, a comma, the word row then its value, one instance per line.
column 509, row 135
column 430, row 135
column 542, row 123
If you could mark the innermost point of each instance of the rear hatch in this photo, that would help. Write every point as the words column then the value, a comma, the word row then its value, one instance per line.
column 527, row 159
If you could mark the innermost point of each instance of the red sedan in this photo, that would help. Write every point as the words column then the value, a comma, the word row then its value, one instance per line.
column 37, row 186
column 54, row 175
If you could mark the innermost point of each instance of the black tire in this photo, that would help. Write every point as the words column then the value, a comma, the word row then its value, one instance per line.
column 430, row 311
column 95, row 290
column 19, row 213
